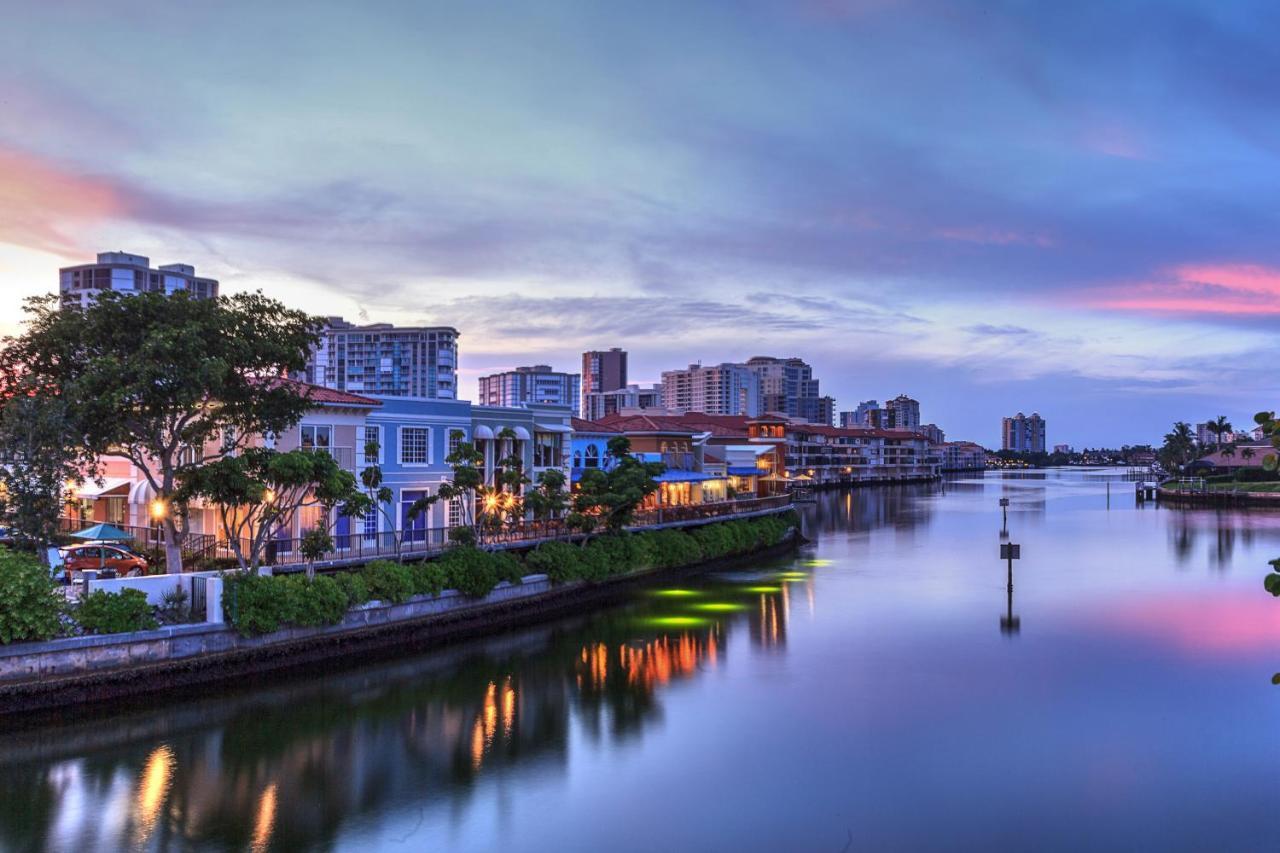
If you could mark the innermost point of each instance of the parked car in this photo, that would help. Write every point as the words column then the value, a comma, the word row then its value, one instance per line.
column 98, row 557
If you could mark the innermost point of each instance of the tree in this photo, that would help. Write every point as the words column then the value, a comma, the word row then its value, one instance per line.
column 1270, row 462
column 548, row 499
column 1247, row 453
column 168, row 382
column 485, row 507
column 1179, row 446
column 609, row 496
column 1220, row 427
column 260, row 491
column 39, row 455
column 378, row 496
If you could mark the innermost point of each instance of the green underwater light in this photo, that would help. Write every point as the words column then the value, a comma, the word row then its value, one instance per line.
column 762, row 588
column 675, row 621
column 719, row 607
column 816, row 563
column 675, row 593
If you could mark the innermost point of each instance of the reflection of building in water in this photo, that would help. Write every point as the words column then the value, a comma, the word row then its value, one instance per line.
column 843, row 510
column 768, row 618
column 623, row 677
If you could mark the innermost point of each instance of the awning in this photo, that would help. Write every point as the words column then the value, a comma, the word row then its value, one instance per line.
column 92, row 490
column 482, row 431
column 521, row 433
column 684, row 477
column 744, row 471
column 552, row 428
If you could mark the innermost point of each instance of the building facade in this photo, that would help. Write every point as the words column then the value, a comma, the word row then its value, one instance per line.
column 721, row 389
column 633, row 398
column 869, row 414
column 535, row 384
column 787, row 387
column 603, row 370
column 130, row 274
column 1023, row 434
column 963, row 456
column 386, row 361
column 902, row 412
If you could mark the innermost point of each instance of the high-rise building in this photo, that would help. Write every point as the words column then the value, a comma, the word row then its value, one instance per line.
column 603, row 370
column 787, row 387
column 902, row 412
column 535, row 384
column 633, row 398
column 1023, row 434
column 387, row 361
column 720, row 389
column 130, row 274
column 868, row 414
column 933, row 432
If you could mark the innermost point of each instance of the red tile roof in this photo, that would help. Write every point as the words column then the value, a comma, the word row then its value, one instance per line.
column 325, row 396
column 580, row 425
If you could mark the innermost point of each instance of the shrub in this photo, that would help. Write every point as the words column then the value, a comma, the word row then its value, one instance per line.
column 594, row 561
column 674, row 548
column 559, row 561
column 30, row 605
column 353, row 587
column 115, row 612
column 255, row 604
column 176, row 604
column 314, row 602
column 470, row 571
column 429, row 578
column 388, row 582
column 1257, row 475
column 508, row 567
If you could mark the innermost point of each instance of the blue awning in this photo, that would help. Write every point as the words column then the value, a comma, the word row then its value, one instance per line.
column 677, row 476
column 745, row 471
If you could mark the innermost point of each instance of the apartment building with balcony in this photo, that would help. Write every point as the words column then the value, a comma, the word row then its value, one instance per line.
column 1023, row 434
column 629, row 400
column 533, row 384
column 129, row 274
column 602, row 371
column 384, row 360
column 719, row 389
column 963, row 456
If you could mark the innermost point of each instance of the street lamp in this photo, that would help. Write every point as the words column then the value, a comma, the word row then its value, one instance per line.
column 158, row 510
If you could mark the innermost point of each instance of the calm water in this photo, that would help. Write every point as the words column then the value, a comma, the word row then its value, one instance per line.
column 876, row 692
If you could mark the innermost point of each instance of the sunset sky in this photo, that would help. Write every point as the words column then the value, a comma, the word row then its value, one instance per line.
column 991, row 206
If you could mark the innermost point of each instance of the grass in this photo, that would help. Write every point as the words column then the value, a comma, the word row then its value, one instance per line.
column 1245, row 487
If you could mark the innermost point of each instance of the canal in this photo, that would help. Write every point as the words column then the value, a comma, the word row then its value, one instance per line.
column 879, row 690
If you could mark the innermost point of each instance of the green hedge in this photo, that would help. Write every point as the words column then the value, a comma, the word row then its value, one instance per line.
column 258, row 605
column 115, row 612
column 255, row 604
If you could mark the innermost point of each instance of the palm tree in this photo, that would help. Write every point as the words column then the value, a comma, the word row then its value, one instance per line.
column 1247, row 453
column 1219, row 427
column 1179, row 445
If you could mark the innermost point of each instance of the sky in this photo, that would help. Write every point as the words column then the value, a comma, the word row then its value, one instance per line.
column 991, row 206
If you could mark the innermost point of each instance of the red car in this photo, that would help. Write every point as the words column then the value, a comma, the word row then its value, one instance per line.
column 99, row 557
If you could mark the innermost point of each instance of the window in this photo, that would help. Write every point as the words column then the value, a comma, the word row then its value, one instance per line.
column 593, row 456
column 577, row 459
column 455, row 512
column 313, row 437
column 456, row 437
column 415, row 446
column 371, row 435
column 546, row 450
column 370, row 527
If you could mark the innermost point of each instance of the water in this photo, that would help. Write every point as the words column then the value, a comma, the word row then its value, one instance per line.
column 875, row 692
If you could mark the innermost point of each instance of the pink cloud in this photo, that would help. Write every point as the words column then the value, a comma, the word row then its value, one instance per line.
column 42, row 202
column 1199, row 289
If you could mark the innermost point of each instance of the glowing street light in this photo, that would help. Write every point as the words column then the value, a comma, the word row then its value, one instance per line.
column 158, row 509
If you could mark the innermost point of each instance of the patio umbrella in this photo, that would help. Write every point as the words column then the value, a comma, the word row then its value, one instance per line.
column 103, row 533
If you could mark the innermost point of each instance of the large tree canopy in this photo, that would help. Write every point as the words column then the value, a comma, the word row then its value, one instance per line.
column 168, row 382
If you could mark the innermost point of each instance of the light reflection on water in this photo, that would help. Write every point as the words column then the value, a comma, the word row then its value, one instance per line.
column 893, row 683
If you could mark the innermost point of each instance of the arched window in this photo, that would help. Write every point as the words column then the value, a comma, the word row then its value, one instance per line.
column 593, row 456
column 577, row 459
